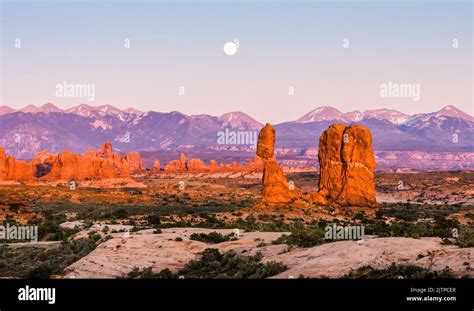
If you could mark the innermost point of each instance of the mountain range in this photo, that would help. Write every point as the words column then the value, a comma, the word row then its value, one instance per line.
column 26, row 131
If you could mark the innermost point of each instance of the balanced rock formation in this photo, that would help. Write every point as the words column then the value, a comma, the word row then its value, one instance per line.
column 346, row 163
column 275, row 186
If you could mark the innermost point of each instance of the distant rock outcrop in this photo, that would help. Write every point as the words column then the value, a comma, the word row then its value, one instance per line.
column 176, row 166
column 194, row 165
column 12, row 169
column 346, row 164
column 103, row 164
column 135, row 161
column 156, row 166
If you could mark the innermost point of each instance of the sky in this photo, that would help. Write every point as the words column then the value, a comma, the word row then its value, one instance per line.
column 292, row 56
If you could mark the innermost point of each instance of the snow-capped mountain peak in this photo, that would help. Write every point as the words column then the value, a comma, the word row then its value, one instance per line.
column 453, row 112
column 331, row 114
column 354, row 116
column 133, row 111
column 82, row 110
column 240, row 120
column 324, row 113
column 393, row 116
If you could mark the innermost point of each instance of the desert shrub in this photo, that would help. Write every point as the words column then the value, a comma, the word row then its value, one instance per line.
column 441, row 227
column 120, row 214
column 405, row 271
column 262, row 244
column 303, row 237
column 213, row 264
column 413, row 212
column 94, row 236
column 466, row 238
column 360, row 216
column 212, row 238
column 154, row 219
column 38, row 262
column 50, row 230
column 147, row 273
column 43, row 271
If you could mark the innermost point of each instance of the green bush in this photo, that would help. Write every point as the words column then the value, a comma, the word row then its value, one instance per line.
column 441, row 227
column 154, row 219
column 466, row 238
column 394, row 271
column 213, row 264
column 120, row 214
column 212, row 238
column 303, row 237
column 38, row 262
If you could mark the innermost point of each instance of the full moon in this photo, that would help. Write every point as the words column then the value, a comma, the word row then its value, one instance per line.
column 230, row 48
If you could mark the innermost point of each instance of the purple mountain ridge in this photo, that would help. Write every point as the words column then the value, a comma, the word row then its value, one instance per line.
column 27, row 131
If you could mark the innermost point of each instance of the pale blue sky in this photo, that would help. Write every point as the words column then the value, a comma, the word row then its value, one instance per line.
column 282, row 44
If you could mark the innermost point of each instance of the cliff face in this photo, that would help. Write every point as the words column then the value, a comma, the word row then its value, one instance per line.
column 347, row 167
column 12, row 169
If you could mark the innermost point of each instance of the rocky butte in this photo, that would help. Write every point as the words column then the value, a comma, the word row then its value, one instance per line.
column 346, row 163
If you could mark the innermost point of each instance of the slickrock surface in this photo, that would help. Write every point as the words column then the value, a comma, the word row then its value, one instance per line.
column 336, row 259
column 117, row 256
